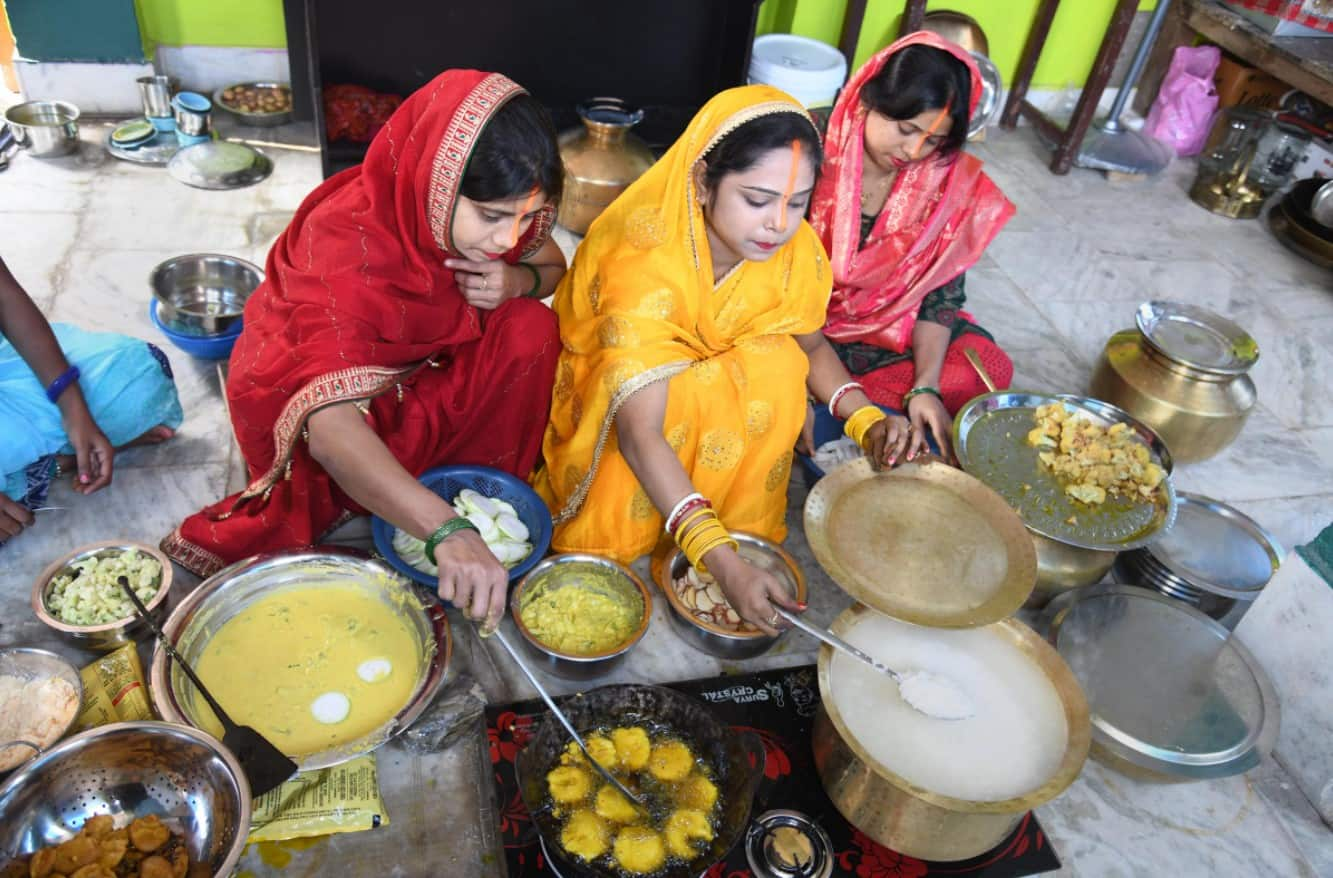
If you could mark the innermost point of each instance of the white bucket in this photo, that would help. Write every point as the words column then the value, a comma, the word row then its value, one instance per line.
column 808, row 70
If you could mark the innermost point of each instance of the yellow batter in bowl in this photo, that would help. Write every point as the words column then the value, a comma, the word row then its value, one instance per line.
column 311, row 668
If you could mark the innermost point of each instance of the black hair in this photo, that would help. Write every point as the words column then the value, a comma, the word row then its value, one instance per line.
column 516, row 151
column 742, row 148
column 918, row 79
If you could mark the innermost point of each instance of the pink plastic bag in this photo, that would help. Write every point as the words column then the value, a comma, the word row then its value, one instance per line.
column 1183, row 111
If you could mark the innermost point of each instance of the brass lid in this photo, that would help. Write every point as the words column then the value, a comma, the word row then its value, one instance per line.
column 923, row 543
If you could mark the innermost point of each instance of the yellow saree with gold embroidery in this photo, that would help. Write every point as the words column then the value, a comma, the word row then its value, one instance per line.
column 639, row 306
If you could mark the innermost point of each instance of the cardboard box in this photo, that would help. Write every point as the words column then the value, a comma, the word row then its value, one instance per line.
column 1240, row 85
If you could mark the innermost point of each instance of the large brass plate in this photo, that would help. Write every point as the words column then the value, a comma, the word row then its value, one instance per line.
column 926, row 544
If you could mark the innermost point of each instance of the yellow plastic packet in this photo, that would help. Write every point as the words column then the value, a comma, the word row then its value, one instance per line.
column 114, row 690
column 344, row 798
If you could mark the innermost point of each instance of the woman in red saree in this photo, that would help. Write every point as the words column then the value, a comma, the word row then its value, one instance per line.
column 394, row 332
column 903, row 213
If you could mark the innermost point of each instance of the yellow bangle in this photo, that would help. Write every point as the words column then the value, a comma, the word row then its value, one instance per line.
column 694, row 518
column 861, row 421
column 726, row 539
column 700, row 534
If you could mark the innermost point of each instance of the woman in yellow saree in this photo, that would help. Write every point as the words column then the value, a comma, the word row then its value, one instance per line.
column 690, row 324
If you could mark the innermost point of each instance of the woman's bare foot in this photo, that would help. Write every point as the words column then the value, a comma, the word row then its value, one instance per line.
column 159, row 434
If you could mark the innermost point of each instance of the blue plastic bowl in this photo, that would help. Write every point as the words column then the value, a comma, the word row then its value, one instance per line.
column 448, row 482
column 205, row 347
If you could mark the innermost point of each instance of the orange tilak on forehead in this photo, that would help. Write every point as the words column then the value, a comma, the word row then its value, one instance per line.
column 934, row 126
column 527, row 206
column 791, row 183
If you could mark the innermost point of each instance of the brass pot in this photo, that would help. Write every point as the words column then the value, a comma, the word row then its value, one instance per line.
column 601, row 159
column 1196, row 412
column 915, row 821
column 1061, row 567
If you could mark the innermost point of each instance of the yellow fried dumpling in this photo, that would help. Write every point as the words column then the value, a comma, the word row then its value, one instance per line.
column 612, row 805
column 585, row 835
column 685, row 831
column 632, row 747
column 696, row 792
column 639, row 850
column 671, row 761
column 569, row 784
column 602, row 750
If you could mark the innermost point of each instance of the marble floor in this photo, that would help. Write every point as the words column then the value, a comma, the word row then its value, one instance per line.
column 83, row 233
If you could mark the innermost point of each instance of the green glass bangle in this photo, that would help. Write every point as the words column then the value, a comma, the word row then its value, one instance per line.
column 536, row 279
column 443, row 532
column 917, row 391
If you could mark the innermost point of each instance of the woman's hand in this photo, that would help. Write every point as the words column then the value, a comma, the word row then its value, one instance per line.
column 753, row 593
column 488, row 285
column 93, row 450
column 805, row 444
column 928, row 413
column 13, row 518
column 471, row 578
column 887, row 440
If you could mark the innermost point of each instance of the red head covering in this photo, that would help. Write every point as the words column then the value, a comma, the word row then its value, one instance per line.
column 357, row 293
column 937, row 220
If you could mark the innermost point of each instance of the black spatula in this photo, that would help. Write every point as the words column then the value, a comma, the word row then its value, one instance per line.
column 264, row 765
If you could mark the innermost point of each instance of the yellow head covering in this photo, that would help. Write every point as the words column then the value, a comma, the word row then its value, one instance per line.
column 639, row 305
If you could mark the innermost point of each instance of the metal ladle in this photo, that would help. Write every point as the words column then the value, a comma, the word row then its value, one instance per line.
column 560, row 715
column 956, row 704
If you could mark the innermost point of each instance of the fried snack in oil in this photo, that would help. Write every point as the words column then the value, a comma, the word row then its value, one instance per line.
column 670, row 761
column 585, row 835
column 599, row 746
column 632, row 747
column 569, row 784
column 639, row 849
column 1090, row 460
column 697, row 793
column 612, row 805
column 686, row 831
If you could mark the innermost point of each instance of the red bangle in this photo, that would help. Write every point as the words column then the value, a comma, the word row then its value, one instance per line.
column 685, row 510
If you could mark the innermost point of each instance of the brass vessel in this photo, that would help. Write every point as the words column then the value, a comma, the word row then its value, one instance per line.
column 915, row 821
column 1196, row 412
column 601, row 159
column 1061, row 567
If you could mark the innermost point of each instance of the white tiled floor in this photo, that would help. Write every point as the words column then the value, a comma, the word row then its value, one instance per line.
column 82, row 234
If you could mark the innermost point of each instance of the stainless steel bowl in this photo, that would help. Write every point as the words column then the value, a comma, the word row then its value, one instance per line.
column 262, row 120
column 27, row 663
column 192, row 121
column 564, row 571
column 710, row 638
column 229, row 591
column 129, row 770
column 46, row 129
column 203, row 293
column 112, row 635
column 156, row 92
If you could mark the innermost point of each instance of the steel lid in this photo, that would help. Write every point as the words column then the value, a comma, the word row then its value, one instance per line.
column 1217, row 548
column 1197, row 337
column 788, row 844
column 219, row 164
column 1168, row 688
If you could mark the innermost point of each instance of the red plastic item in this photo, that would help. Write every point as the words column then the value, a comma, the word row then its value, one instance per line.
column 355, row 113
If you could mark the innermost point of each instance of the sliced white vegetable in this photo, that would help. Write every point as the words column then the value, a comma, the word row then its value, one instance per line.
column 511, row 527
column 510, row 553
column 504, row 507
column 331, row 708
column 375, row 669
column 485, row 526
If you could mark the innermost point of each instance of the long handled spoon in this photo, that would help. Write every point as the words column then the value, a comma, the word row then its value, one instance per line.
column 560, row 715
column 935, row 696
column 265, row 766
column 981, row 370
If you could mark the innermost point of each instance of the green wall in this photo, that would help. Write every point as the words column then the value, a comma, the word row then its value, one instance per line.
column 255, row 23
column 1070, row 48
column 76, row 30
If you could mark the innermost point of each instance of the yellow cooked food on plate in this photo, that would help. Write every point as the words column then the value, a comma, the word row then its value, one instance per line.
column 671, row 761
column 585, row 835
column 686, row 832
column 681, row 803
column 639, row 849
column 1092, row 461
column 632, row 747
column 580, row 618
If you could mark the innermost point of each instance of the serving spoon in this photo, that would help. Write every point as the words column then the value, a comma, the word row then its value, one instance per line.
column 931, row 694
column 560, row 715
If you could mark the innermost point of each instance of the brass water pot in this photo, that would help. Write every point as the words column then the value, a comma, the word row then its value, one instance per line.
column 915, row 821
column 1061, row 567
column 1196, row 412
column 601, row 159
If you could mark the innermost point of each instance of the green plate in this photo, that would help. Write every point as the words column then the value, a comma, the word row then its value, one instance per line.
column 133, row 132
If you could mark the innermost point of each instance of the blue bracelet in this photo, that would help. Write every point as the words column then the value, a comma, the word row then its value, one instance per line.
column 62, row 383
